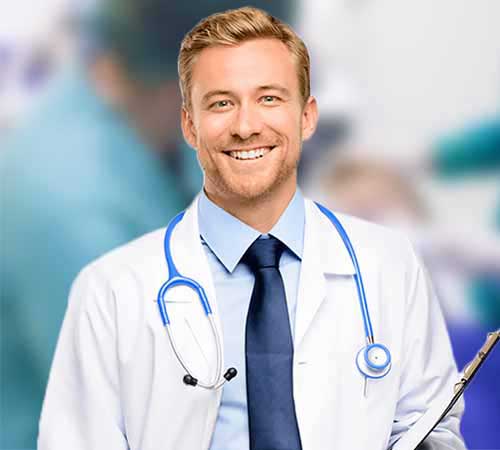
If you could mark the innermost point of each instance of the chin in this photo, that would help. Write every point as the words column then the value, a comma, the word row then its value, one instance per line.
column 250, row 190
column 253, row 192
column 250, row 193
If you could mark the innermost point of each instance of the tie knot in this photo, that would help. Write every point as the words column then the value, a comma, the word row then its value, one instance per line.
column 263, row 253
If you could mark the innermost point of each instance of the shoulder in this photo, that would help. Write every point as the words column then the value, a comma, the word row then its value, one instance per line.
column 137, row 256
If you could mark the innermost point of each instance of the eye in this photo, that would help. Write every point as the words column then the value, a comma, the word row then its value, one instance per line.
column 269, row 99
column 220, row 104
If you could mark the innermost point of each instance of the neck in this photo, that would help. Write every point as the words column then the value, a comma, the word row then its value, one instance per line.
column 261, row 213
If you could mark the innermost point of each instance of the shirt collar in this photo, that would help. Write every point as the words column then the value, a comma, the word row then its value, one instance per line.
column 229, row 238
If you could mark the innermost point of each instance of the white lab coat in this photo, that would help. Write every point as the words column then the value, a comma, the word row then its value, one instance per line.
column 116, row 384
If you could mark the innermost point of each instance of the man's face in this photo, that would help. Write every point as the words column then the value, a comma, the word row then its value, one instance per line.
column 247, row 119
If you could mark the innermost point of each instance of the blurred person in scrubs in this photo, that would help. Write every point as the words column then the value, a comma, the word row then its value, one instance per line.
column 99, row 163
column 374, row 190
column 474, row 150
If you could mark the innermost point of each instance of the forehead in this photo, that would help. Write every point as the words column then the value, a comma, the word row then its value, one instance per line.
column 254, row 63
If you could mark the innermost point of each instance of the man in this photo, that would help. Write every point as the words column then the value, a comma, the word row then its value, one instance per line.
column 119, row 380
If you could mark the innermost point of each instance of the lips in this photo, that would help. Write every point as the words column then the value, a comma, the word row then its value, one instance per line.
column 251, row 153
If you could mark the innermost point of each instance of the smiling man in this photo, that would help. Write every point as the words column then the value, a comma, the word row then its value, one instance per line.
column 247, row 112
column 312, row 365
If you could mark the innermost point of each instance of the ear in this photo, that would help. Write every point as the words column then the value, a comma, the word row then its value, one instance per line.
column 188, row 129
column 309, row 118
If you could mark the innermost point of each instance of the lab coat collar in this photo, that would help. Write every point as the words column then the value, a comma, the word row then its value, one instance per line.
column 319, row 233
column 324, row 253
column 327, row 243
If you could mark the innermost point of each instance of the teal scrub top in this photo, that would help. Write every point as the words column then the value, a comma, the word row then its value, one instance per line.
column 76, row 181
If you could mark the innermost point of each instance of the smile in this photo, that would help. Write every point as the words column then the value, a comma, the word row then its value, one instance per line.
column 255, row 153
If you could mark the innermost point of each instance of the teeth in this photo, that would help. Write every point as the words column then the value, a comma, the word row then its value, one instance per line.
column 250, row 154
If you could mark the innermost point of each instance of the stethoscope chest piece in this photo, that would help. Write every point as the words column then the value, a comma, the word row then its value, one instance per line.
column 374, row 361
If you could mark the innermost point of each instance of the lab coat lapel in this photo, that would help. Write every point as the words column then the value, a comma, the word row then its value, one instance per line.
column 324, row 253
column 312, row 283
column 191, row 262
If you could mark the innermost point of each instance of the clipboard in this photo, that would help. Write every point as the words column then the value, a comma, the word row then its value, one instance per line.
column 424, row 426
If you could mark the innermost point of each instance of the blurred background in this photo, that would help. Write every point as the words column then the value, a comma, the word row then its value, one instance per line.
column 91, row 156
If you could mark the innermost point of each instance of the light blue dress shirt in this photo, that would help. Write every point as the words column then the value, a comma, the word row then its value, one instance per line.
column 225, row 240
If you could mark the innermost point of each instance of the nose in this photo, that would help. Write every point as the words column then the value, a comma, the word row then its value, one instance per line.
column 247, row 122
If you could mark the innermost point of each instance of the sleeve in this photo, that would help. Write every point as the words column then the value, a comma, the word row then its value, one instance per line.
column 428, row 371
column 473, row 150
column 82, row 408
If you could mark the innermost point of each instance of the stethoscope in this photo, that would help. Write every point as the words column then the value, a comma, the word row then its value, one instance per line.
column 373, row 361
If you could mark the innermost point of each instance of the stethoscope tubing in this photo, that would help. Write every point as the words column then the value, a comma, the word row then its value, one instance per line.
column 176, row 279
column 217, row 380
column 358, row 278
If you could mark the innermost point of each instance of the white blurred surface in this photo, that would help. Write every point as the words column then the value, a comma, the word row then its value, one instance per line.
column 406, row 72
column 27, row 20
column 410, row 68
column 34, row 36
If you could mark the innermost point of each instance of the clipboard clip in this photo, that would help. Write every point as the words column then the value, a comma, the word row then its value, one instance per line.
column 471, row 369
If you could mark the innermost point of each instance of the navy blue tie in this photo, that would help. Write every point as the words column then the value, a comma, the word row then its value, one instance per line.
column 269, row 353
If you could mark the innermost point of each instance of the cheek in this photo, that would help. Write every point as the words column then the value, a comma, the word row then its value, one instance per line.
column 212, row 128
column 287, row 123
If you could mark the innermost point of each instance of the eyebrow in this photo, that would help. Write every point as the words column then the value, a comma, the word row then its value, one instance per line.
column 275, row 87
column 209, row 94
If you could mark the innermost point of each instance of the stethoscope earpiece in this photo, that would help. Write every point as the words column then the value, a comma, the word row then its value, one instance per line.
column 190, row 380
column 230, row 373
column 374, row 361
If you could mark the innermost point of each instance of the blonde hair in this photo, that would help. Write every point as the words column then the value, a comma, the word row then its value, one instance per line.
column 233, row 27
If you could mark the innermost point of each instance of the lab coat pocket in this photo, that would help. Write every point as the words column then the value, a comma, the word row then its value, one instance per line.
column 355, row 385
column 370, row 403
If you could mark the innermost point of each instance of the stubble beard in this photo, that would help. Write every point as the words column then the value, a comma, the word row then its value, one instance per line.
column 249, row 191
